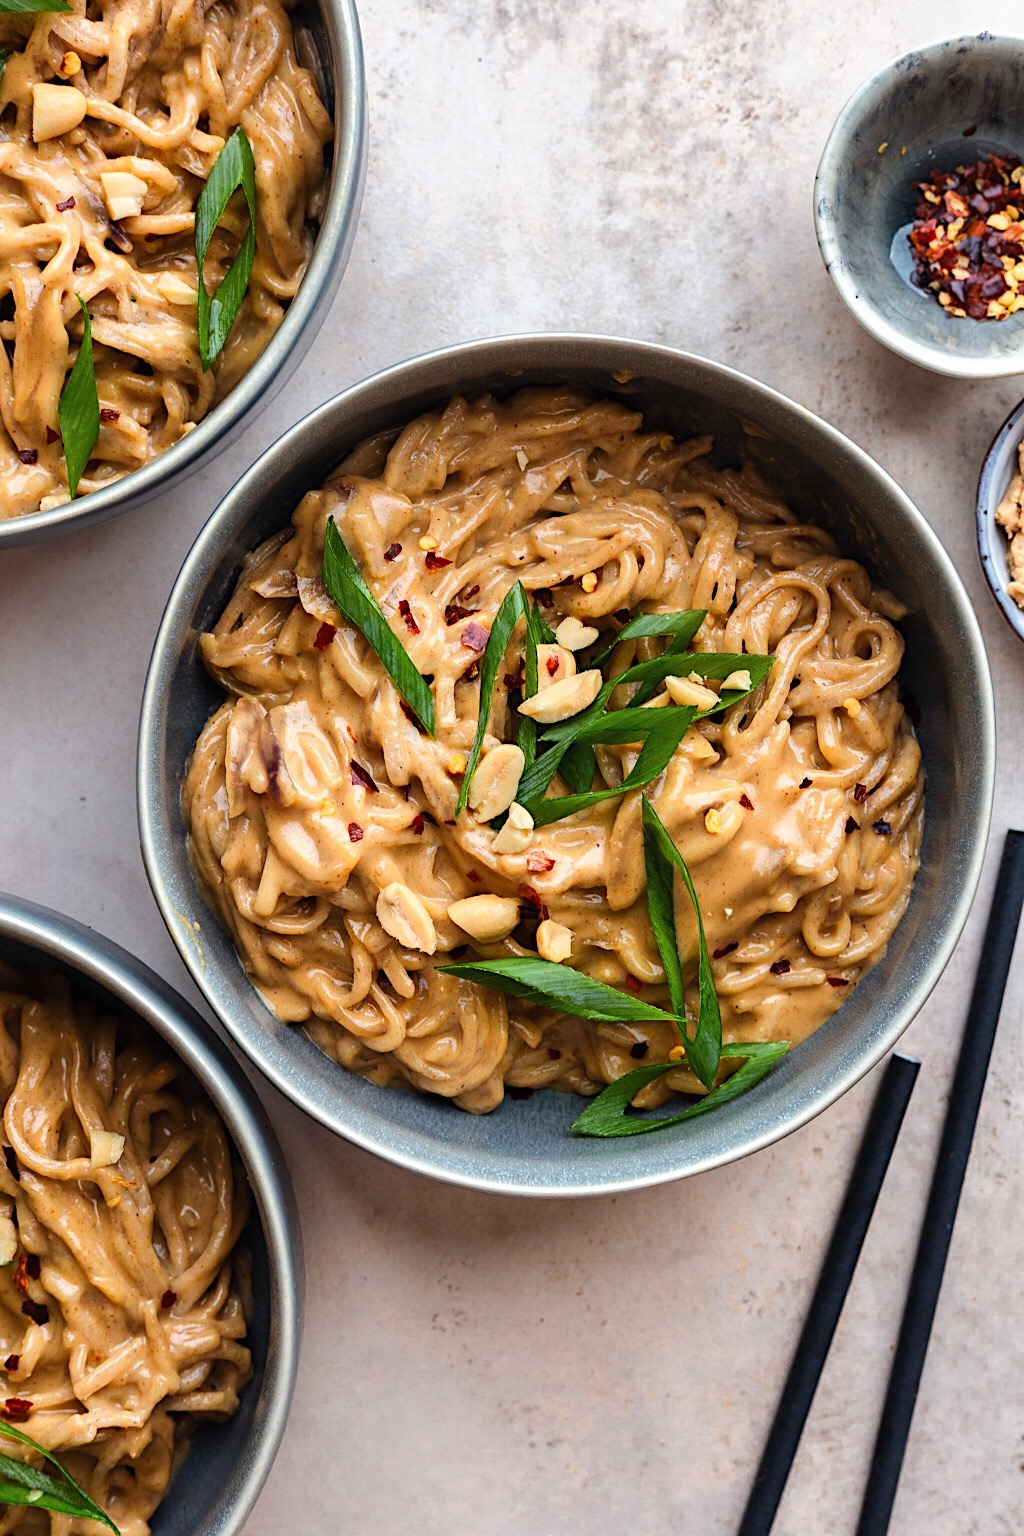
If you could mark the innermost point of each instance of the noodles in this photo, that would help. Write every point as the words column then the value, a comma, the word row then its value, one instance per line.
column 815, row 782
column 125, row 1262
column 165, row 83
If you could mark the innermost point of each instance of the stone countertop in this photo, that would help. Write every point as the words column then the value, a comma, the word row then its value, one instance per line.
column 497, row 1367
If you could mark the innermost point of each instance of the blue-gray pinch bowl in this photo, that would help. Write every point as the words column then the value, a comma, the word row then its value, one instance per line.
column 216, row 1485
column 933, row 109
column 997, row 471
column 524, row 1147
column 328, row 42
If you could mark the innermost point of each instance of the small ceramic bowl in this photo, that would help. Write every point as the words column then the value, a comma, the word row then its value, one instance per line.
column 216, row 1485
column 328, row 41
column 525, row 1147
column 997, row 471
column 933, row 109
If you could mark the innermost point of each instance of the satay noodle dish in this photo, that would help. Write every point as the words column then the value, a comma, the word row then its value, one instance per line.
column 116, row 118
column 123, row 1296
column 518, row 693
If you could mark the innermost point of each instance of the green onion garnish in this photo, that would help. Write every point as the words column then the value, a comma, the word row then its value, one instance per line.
column 234, row 167
column 31, row 7
column 515, row 605
column 24, row 1485
column 79, row 408
column 358, row 604
column 551, row 985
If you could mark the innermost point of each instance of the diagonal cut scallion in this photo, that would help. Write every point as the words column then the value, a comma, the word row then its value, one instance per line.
column 27, row 1486
column 350, row 592
column 79, row 408
column 606, row 1116
column 553, row 985
column 233, row 168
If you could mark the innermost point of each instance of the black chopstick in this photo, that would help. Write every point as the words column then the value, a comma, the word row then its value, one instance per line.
column 862, row 1193
column 947, row 1182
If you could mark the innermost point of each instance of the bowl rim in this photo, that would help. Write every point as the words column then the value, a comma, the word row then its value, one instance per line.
column 138, row 990
column 474, row 358
column 303, row 316
column 831, row 168
column 987, row 500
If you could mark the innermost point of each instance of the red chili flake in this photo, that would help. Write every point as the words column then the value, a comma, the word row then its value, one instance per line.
column 837, row 981
column 168, row 1299
column 355, row 832
column 634, row 984
column 17, row 1409
column 12, row 1164
column 32, row 1265
column 392, row 552
column 806, row 783
column 470, row 593
column 527, row 893
column 639, row 1050
column 67, row 204
column 474, row 637
column 544, row 597
column 407, row 615
column 36, row 1311
column 435, row 562
column 539, row 862
column 520, row 1093
column 851, row 825
column 780, row 967
column 726, row 949
column 746, row 802
column 108, row 415
column 52, row 436
column 555, row 1055
column 513, row 680
column 453, row 613
column 324, row 635
column 417, row 825
column 552, row 665
column 471, row 874
column 21, row 1274
column 28, row 455
column 360, row 776
column 12, row 1362
column 883, row 828
column 860, row 793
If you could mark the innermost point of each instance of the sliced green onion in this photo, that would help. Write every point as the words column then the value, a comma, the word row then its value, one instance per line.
column 350, row 592
column 558, row 986
column 234, row 167
column 79, row 408
column 21, row 1484
column 606, row 1116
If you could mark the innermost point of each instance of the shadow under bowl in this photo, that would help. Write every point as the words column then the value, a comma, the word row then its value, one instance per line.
column 328, row 42
column 933, row 109
column 216, row 1485
column 998, row 469
column 524, row 1147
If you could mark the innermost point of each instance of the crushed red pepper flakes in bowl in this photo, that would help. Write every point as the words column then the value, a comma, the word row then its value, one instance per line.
column 967, row 238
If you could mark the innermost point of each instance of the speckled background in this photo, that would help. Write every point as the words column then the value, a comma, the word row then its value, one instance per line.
column 489, row 1367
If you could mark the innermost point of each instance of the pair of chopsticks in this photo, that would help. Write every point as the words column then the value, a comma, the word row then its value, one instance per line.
column 933, row 1245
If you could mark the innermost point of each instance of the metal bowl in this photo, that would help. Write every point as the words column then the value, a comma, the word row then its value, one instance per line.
column 933, row 109
column 524, row 1147
column 227, row 1464
column 997, row 471
column 328, row 39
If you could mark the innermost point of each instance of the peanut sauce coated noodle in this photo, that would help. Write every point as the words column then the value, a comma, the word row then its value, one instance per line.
column 163, row 84
column 816, row 778
column 122, row 1315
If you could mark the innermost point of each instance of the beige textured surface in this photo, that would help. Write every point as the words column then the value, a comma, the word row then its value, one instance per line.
column 486, row 1367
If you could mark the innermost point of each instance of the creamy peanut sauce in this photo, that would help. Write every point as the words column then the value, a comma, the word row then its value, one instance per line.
column 550, row 487
column 162, row 85
column 124, row 1252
